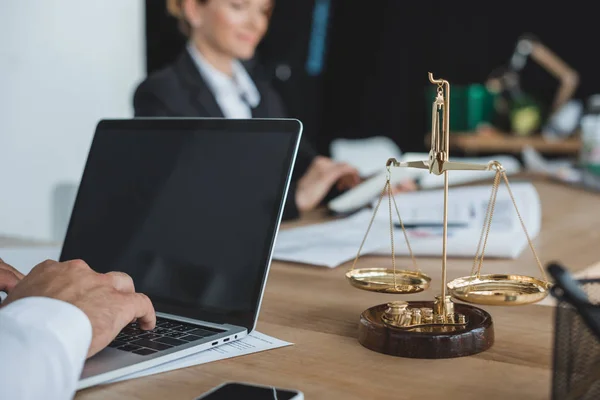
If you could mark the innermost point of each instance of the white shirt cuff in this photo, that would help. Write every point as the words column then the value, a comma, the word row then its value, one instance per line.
column 67, row 323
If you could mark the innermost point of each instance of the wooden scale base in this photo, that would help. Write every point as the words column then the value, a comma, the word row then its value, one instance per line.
column 427, row 342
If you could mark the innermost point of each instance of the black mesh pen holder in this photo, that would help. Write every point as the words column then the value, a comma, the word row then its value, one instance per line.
column 576, row 354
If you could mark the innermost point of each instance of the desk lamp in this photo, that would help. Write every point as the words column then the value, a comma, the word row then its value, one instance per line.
column 524, row 112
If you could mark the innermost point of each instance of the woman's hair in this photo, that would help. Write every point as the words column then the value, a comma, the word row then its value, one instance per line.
column 175, row 10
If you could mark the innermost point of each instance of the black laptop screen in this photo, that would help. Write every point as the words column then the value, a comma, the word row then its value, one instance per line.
column 189, row 208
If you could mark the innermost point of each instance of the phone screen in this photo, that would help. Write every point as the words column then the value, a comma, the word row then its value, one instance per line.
column 235, row 391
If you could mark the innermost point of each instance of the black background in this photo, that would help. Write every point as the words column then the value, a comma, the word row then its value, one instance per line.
column 379, row 53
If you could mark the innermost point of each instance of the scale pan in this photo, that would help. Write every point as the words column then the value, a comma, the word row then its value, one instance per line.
column 499, row 290
column 382, row 280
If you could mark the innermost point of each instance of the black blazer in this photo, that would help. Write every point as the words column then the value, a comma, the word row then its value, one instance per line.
column 180, row 91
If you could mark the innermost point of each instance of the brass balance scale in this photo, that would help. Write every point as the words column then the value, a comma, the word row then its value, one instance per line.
column 440, row 328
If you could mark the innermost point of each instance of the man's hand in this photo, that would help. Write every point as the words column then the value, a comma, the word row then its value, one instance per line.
column 9, row 277
column 109, row 300
column 320, row 177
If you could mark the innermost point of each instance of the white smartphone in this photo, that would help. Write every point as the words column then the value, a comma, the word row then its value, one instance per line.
column 248, row 391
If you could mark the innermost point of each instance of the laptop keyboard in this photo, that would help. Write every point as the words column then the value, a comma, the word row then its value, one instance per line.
column 165, row 336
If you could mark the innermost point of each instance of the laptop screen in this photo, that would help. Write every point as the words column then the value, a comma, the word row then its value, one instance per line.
column 189, row 208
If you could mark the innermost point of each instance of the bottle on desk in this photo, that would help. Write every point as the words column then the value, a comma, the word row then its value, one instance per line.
column 589, row 156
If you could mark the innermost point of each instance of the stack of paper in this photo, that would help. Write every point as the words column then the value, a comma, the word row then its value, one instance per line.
column 331, row 244
column 469, row 204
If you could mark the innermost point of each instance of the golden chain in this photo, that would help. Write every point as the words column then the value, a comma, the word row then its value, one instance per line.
column 371, row 223
column 389, row 187
column 412, row 256
column 524, row 229
column 487, row 224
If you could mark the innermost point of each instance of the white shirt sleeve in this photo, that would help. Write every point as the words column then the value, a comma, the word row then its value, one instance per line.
column 43, row 346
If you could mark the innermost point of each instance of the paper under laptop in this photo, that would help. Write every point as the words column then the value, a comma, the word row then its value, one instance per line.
column 24, row 258
column 253, row 343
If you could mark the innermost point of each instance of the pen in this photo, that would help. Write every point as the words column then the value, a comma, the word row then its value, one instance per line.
column 431, row 225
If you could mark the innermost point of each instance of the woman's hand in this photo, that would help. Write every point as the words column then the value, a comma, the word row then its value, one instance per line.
column 320, row 177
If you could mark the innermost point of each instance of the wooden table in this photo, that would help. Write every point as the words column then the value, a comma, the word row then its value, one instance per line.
column 318, row 311
column 494, row 142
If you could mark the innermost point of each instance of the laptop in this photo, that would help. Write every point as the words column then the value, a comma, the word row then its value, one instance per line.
column 190, row 209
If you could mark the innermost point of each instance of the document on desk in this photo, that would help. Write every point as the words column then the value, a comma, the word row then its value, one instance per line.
column 469, row 204
column 330, row 244
column 333, row 243
column 253, row 343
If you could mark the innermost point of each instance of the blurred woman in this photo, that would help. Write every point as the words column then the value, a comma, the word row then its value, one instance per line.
column 214, row 77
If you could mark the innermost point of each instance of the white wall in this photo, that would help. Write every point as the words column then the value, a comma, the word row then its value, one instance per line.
column 64, row 65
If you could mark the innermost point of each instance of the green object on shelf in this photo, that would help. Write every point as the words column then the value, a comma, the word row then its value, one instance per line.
column 470, row 106
column 480, row 106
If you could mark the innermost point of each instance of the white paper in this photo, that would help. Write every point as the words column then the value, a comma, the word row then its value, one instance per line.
column 333, row 243
column 330, row 244
column 365, row 155
column 253, row 343
column 425, row 207
column 506, row 239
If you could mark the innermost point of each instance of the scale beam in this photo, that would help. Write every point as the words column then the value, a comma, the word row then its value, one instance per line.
column 439, row 167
